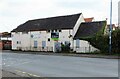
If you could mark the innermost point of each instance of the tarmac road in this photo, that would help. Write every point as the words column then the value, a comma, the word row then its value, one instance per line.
column 31, row 65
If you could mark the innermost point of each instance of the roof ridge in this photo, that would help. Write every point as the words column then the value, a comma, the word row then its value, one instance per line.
column 57, row 22
column 55, row 17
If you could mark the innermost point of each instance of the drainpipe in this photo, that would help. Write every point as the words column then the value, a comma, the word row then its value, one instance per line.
column 30, row 40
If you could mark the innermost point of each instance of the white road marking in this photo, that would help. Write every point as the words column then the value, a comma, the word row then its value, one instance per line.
column 15, row 64
column 27, row 73
column 8, row 65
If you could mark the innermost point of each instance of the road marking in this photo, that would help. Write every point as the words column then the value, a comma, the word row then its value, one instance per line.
column 15, row 64
column 3, row 63
column 8, row 65
column 27, row 73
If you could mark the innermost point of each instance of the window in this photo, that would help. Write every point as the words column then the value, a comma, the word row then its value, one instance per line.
column 60, row 31
column 43, row 44
column 12, row 35
column 18, row 42
column 24, row 32
column 77, row 43
column 32, row 36
column 55, row 30
column 52, row 30
column 17, row 32
column 55, row 35
column 48, row 39
column 35, row 44
column 48, row 31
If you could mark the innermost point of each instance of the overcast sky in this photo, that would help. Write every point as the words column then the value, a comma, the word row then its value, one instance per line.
column 16, row 12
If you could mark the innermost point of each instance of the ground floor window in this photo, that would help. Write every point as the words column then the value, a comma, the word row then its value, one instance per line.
column 35, row 44
column 43, row 44
column 77, row 43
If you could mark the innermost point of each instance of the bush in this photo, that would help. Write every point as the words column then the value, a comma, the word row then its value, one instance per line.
column 65, row 47
column 102, row 42
column 116, row 41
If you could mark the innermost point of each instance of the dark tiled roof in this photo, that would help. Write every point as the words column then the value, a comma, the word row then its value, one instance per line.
column 89, row 29
column 5, row 34
column 60, row 22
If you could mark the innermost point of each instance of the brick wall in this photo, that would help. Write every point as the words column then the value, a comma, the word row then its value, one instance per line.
column 1, row 45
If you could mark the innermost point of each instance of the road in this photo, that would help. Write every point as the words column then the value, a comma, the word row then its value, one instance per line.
column 58, row 66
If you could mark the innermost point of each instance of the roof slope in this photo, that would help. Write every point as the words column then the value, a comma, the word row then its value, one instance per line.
column 89, row 29
column 59, row 22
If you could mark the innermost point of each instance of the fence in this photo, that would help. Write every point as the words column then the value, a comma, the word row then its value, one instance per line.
column 37, row 48
column 77, row 49
column 85, row 49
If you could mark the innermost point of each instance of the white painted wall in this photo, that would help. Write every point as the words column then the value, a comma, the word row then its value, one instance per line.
column 27, row 43
column 23, row 40
column 79, row 21
column 84, row 47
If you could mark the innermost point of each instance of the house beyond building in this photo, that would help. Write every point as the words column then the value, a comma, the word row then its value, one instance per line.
column 48, row 34
column 5, row 41
column 89, row 19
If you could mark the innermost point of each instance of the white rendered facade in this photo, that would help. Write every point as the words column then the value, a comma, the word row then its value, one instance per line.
column 42, row 41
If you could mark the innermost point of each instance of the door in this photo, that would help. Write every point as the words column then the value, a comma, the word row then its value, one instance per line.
column 57, row 47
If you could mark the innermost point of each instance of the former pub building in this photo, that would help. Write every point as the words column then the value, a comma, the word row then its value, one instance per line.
column 48, row 34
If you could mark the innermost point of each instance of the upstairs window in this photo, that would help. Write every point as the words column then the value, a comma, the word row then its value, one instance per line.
column 56, row 30
column 52, row 30
column 48, row 39
column 60, row 30
column 24, row 32
column 48, row 31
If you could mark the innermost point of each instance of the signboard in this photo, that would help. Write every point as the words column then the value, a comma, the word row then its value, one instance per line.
column 55, row 36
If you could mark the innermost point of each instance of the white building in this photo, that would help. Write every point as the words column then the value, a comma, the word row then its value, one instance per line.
column 47, row 34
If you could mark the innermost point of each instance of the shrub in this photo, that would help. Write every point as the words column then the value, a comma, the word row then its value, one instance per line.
column 65, row 47
column 102, row 42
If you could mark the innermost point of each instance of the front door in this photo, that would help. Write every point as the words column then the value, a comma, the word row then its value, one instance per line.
column 57, row 47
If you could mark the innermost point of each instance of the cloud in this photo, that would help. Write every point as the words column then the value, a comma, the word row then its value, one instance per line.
column 15, row 12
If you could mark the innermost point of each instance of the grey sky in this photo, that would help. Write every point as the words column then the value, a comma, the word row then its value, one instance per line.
column 16, row 12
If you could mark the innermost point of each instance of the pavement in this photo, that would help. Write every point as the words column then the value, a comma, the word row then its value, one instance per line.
column 9, row 74
column 88, row 55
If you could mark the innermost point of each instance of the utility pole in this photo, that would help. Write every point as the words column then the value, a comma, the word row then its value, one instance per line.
column 110, row 29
